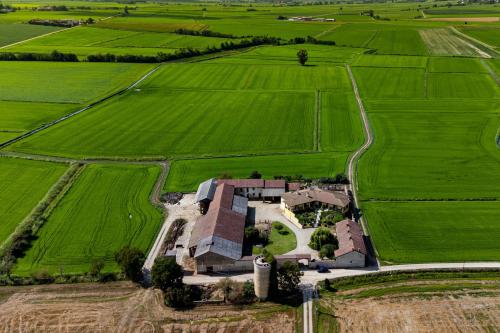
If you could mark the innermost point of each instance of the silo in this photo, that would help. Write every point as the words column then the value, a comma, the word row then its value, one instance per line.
column 261, row 276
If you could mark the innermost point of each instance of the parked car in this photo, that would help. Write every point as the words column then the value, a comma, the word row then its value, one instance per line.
column 323, row 269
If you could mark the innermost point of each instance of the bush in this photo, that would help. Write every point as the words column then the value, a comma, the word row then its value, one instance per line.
column 278, row 226
column 42, row 276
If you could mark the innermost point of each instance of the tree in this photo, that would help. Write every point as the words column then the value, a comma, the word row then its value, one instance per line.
column 179, row 297
column 320, row 237
column 130, row 260
column 96, row 267
column 327, row 284
column 166, row 273
column 302, row 57
column 125, row 10
column 255, row 175
column 289, row 277
column 327, row 251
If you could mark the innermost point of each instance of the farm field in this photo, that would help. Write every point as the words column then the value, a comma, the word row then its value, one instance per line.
column 443, row 41
column 431, row 302
column 434, row 231
column 64, row 82
column 23, row 183
column 12, row 33
column 105, row 209
column 186, row 175
column 84, row 41
column 76, row 306
column 488, row 35
column 432, row 155
column 266, row 99
column 18, row 117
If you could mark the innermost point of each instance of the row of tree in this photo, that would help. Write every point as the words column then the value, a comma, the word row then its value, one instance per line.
column 53, row 56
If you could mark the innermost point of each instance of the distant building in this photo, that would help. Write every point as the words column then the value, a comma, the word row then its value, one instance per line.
column 352, row 250
column 267, row 190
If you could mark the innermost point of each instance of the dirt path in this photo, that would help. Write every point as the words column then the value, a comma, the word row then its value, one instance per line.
column 489, row 47
column 353, row 160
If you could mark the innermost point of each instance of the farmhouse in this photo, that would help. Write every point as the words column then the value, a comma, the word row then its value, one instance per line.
column 352, row 249
column 217, row 237
column 313, row 198
column 267, row 190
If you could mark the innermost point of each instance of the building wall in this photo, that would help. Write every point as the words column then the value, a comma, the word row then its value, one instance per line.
column 249, row 192
column 237, row 266
column 350, row 260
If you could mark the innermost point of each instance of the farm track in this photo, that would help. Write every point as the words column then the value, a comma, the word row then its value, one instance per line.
column 474, row 40
column 354, row 158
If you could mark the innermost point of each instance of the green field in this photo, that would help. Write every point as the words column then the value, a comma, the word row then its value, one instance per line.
column 106, row 208
column 13, row 33
column 274, row 106
column 435, row 231
column 90, row 40
column 23, row 183
column 64, row 82
column 186, row 175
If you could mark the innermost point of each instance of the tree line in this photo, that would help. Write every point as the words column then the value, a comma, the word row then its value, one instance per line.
column 160, row 56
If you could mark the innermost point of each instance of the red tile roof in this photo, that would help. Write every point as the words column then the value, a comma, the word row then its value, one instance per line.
column 294, row 186
column 220, row 219
column 239, row 183
column 339, row 199
column 277, row 183
column 350, row 237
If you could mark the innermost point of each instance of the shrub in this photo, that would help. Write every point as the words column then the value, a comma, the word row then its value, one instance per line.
column 179, row 297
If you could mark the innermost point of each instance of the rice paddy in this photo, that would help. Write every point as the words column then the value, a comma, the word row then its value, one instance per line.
column 105, row 209
column 23, row 184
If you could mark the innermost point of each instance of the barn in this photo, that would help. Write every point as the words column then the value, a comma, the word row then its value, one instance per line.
column 352, row 250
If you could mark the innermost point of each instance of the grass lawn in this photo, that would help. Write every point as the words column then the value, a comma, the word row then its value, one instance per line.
column 406, row 232
column 23, row 183
column 106, row 208
column 281, row 240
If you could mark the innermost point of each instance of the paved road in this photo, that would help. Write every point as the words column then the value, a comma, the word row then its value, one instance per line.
column 307, row 297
